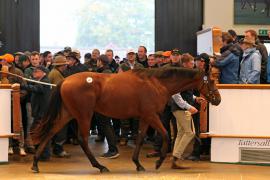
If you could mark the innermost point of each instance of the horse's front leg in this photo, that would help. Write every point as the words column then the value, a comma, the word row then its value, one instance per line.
column 141, row 134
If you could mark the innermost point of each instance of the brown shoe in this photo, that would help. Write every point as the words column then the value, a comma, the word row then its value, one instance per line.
column 123, row 142
column 153, row 154
column 176, row 166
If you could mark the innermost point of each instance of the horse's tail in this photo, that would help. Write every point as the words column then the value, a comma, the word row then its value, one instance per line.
column 40, row 129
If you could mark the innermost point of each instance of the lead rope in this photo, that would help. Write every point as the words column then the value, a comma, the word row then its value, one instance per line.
column 30, row 80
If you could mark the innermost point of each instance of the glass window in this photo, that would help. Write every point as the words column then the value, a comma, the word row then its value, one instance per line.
column 103, row 24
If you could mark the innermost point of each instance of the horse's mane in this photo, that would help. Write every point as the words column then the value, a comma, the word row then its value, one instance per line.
column 166, row 72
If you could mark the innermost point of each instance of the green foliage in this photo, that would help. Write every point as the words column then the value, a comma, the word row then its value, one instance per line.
column 121, row 23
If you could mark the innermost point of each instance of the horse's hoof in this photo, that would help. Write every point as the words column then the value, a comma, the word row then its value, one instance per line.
column 104, row 170
column 35, row 169
column 158, row 164
column 140, row 169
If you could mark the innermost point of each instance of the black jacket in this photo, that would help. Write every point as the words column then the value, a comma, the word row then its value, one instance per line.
column 114, row 66
column 232, row 48
column 91, row 65
column 75, row 69
column 104, row 69
column 144, row 63
column 39, row 97
column 187, row 96
column 262, row 49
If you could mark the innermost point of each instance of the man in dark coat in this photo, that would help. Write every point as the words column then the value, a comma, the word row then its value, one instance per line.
column 114, row 66
column 129, row 124
column 92, row 63
column 39, row 100
column 103, row 121
column 142, row 56
column 112, row 63
column 74, row 65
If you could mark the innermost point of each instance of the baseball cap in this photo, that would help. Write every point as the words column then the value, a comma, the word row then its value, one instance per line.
column 167, row 53
column 176, row 51
column 42, row 68
column 131, row 51
column 203, row 56
column 73, row 55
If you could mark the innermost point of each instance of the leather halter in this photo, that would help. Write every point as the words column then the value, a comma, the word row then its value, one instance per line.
column 211, row 92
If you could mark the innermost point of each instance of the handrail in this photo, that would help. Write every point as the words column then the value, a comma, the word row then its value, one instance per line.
column 9, row 135
column 243, row 86
column 5, row 86
column 207, row 135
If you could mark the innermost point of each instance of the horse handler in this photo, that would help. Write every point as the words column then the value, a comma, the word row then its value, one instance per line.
column 39, row 103
column 183, row 108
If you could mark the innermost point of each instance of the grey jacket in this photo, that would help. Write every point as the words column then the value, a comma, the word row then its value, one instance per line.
column 250, row 67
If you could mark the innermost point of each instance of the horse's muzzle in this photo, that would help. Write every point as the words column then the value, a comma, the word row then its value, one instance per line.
column 215, row 100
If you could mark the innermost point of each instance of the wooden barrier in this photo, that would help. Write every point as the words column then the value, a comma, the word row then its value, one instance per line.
column 16, row 109
column 10, row 99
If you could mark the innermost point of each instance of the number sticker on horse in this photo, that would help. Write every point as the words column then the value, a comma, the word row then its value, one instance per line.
column 89, row 80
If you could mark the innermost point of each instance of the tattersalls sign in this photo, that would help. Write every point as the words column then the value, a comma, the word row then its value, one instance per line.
column 254, row 143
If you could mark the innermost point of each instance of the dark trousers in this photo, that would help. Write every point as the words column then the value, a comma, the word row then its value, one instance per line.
column 59, row 140
column 72, row 129
column 97, row 125
column 150, row 133
column 93, row 123
column 107, row 130
column 24, row 117
column 116, row 126
column 166, row 117
column 46, row 153
column 197, row 142
column 128, row 125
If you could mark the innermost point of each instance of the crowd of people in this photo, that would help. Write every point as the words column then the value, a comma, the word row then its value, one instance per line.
column 241, row 61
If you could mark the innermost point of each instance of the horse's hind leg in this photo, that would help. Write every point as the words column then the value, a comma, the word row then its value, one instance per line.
column 84, row 126
column 141, row 134
column 65, row 117
column 156, row 124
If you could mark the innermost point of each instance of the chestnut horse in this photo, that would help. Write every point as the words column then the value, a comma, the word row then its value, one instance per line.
column 141, row 93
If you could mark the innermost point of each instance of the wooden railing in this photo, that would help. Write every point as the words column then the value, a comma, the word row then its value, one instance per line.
column 16, row 112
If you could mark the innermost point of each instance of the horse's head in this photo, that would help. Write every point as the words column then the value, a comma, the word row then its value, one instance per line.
column 209, row 90
column 207, row 86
